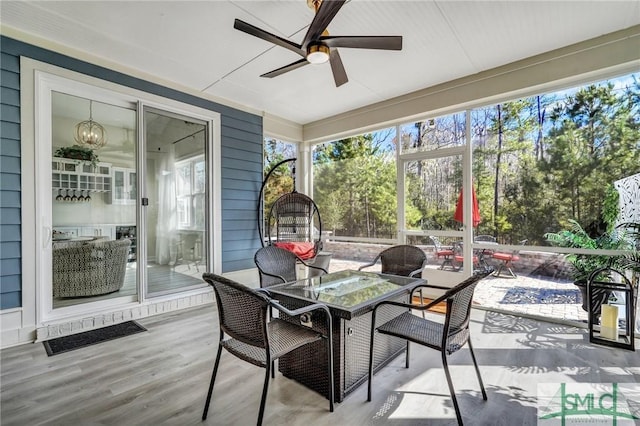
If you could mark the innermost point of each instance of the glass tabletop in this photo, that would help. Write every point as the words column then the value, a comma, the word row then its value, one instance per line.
column 348, row 290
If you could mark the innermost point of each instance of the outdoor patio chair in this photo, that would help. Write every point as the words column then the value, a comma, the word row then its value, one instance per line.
column 405, row 260
column 251, row 334
column 507, row 260
column 458, row 258
column 446, row 338
column 277, row 265
column 443, row 253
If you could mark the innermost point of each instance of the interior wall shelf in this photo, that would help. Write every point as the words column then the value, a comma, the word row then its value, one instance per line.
column 80, row 175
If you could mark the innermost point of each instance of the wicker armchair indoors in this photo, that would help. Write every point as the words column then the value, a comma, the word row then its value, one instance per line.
column 90, row 269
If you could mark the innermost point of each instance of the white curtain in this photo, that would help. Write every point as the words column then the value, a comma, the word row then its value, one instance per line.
column 166, row 246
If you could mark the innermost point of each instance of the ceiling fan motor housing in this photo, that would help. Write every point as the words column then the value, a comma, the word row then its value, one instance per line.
column 317, row 53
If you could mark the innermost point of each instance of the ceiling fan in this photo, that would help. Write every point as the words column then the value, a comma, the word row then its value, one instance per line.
column 318, row 46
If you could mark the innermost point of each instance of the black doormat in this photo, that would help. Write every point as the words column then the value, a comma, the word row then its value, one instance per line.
column 88, row 338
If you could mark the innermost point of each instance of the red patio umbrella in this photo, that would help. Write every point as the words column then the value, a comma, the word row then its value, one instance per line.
column 476, row 210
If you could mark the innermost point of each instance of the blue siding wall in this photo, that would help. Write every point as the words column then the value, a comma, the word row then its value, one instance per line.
column 10, row 295
column 241, row 163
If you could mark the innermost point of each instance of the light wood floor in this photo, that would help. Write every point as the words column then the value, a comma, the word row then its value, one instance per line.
column 161, row 278
column 160, row 377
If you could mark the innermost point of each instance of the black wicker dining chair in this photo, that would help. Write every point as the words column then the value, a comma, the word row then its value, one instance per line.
column 446, row 338
column 277, row 265
column 251, row 334
column 405, row 260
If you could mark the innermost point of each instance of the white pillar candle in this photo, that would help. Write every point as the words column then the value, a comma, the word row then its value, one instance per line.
column 609, row 322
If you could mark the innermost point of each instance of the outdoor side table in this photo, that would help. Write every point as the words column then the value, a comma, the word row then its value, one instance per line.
column 350, row 296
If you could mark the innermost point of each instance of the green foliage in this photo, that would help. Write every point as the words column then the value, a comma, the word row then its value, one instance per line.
column 537, row 163
column 77, row 152
column 355, row 188
column 595, row 141
column 584, row 264
column 610, row 207
column 333, row 211
column 281, row 180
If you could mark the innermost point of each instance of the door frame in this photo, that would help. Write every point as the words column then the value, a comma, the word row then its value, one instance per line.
column 37, row 82
column 466, row 152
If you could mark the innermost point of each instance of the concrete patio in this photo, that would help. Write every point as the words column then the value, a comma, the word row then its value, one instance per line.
column 554, row 300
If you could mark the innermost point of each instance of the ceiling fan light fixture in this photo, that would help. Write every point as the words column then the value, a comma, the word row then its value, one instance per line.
column 318, row 53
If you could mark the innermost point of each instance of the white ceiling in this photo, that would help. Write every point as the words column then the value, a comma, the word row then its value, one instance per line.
column 195, row 45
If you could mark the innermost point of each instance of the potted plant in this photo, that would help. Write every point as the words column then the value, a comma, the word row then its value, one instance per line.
column 582, row 265
column 77, row 152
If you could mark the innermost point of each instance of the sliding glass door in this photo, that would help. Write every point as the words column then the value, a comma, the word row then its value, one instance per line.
column 93, row 199
column 125, row 190
column 176, row 193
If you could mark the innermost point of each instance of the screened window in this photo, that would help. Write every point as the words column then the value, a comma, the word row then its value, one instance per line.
column 538, row 162
column 279, row 169
column 355, row 185
column 542, row 161
column 435, row 133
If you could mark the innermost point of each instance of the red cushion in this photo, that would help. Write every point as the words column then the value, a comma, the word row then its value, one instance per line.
column 505, row 256
column 304, row 250
column 442, row 253
column 461, row 259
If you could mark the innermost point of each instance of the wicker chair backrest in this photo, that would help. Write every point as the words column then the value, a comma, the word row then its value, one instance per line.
column 436, row 242
column 242, row 311
column 275, row 261
column 402, row 260
column 459, row 300
column 294, row 217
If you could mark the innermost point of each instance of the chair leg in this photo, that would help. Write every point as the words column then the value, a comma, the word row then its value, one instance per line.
column 406, row 361
column 273, row 369
column 373, row 333
column 264, row 392
column 507, row 266
column 329, row 343
column 213, row 379
column 445, row 262
column 451, row 389
column 473, row 357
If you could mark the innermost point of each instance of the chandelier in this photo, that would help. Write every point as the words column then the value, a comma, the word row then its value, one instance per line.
column 90, row 133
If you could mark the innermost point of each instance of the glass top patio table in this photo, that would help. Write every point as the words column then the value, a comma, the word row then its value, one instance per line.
column 347, row 293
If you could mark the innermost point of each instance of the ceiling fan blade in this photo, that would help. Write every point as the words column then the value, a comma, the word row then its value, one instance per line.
column 286, row 68
column 327, row 11
column 364, row 42
column 339, row 74
column 272, row 38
